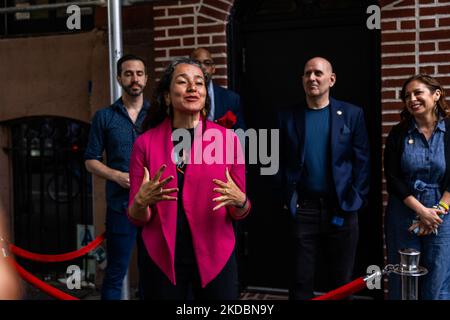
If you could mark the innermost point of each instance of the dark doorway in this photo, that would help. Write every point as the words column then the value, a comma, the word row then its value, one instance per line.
column 270, row 41
column 51, row 188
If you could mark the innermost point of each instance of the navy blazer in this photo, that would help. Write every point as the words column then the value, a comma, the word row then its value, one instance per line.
column 227, row 100
column 349, row 151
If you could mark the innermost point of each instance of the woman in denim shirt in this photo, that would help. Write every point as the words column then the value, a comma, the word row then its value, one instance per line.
column 417, row 170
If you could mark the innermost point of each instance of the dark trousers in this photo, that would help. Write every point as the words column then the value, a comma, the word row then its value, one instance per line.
column 156, row 286
column 120, row 240
column 313, row 234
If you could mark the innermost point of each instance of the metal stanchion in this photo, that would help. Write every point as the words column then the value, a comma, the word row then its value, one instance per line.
column 410, row 271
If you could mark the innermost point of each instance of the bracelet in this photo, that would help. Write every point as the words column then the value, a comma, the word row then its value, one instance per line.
column 245, row 202
column 443, row 205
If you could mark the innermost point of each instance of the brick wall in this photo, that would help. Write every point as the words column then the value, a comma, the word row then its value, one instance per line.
column 181, row 26
column 415, row 38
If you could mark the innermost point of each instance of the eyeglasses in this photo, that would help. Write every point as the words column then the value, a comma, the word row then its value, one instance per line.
column 206, row 63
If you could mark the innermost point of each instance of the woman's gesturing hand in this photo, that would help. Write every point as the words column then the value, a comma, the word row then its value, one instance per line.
column 152, row 191
column 230, row 193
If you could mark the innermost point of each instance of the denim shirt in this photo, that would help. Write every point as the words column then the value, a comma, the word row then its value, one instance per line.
column 424, row 163
column 114, row 132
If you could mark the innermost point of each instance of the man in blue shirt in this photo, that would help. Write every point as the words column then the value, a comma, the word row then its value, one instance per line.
column 324, row 156
column 114, row 130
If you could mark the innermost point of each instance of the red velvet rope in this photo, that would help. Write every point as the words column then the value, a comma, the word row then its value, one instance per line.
column 344, row 291
column 57, row 257
column 38, row 283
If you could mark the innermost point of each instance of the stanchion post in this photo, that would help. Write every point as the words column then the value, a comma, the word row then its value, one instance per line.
column 410, row 271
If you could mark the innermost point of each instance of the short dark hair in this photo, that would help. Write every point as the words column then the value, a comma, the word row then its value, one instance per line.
column 129, row 57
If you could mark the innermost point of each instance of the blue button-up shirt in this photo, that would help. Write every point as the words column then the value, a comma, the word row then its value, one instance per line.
column 424, row 163
column 114, row 132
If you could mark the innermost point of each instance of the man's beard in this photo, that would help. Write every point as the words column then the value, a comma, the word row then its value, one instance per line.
column 129, row 90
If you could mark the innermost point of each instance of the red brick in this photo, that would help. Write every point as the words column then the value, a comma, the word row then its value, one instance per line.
column 432, row 35
column 168, row 22
column 398, row 60
column 167, row 43
column 398, row 48
column 429, row 23
column 219, row 39
column 180, row 52
column 218, row 49
column 181, row 31
column 159, row 33
column 406, row 3
column 211, row 29
column 159, row 53
column 188, row 41
column 391, row 25
column 185, row 2
column 429, row 46
column 398, row 36
column 389, row 83
column 427, row 70
column 181, row 11
column 409, row 24
column 397, row 13
column 434, row 58
column 204, row 40
column 426, row 1
column 444, row 81
column 391, row 117
column 187, row 20
column 444, row 22
column 159, row 12
column 444, row 69
column 213, row 13
column 444, row 45
column 202, row 19
column 393, row 105
column 433, row 11
column 383, row 3
column 218, row 4
column 397, row 72
column 221, row 71
column 388, row 94
column 220, row 60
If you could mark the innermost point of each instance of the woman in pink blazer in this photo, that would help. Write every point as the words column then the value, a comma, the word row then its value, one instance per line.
column 185, row 194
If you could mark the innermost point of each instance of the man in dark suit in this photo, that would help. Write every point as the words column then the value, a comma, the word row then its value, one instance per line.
column 223, row 100
column 324, row 156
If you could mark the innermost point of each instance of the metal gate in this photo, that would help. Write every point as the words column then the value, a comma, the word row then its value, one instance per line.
column 52, row 189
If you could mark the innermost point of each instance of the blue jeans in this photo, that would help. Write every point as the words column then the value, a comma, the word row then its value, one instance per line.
column 120, row 240
column 434, row 249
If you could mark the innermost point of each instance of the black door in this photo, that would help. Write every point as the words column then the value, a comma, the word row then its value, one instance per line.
column 51, row 188
column 270, row 41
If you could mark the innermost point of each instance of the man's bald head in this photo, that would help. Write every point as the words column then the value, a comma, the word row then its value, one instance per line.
column 322, row 61
column 203, row 56
column 318, row 78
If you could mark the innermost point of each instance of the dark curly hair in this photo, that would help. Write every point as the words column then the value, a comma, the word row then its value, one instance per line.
column 158, row 110
column 433, row 85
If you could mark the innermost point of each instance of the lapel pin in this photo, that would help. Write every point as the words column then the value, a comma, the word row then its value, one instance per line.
column 410, row 141
column 339, row 112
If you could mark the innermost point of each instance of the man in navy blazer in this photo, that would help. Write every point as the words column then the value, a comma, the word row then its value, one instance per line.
column 324, row 157
column 222, row 100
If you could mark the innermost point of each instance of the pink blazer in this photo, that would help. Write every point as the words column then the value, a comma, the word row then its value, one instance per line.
column 212, row 231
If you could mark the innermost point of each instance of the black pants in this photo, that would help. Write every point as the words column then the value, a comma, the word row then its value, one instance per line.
column 313, row 234
column 155, row 285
